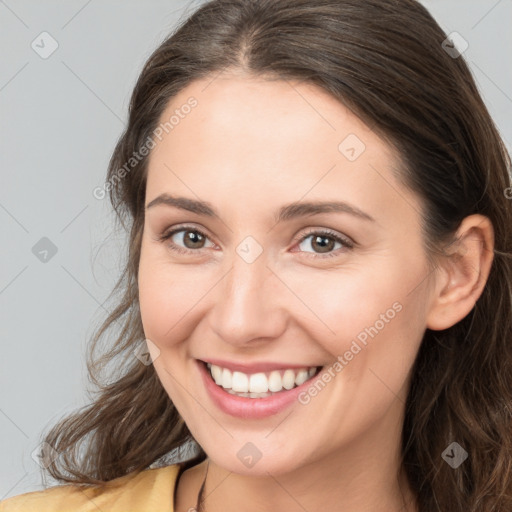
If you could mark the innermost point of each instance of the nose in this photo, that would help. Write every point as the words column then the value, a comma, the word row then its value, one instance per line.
column 249, row 308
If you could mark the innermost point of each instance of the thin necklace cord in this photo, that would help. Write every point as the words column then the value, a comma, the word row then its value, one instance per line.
column 199, row 504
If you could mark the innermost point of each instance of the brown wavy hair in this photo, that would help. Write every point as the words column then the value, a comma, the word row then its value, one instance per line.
column 384, row 60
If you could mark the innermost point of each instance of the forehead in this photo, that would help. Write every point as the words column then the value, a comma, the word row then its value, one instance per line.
column 260, row 137
column 247, row 112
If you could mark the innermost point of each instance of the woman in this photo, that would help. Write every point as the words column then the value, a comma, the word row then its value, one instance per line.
column 319, row 266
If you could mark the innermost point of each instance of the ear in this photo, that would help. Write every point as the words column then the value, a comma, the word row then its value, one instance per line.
column 462, row 273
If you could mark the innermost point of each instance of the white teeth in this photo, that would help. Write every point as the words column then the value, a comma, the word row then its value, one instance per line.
column 226, row 380
column 275, row 383
column 302, row 376
column 216, row 374
column 259, row 395
column 259, row 385
column 288, row 379
column 240, row 382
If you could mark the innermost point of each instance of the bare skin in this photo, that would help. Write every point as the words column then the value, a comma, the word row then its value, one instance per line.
column 250, row 147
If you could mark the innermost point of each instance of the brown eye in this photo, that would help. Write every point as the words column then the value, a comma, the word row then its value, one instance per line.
column 324, row 243
column 193, row 239
column 185, row 240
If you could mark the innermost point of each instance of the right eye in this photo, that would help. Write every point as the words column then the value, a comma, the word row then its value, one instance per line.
column 191, row 237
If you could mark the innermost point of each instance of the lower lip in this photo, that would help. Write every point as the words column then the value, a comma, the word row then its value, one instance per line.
column 249, row 408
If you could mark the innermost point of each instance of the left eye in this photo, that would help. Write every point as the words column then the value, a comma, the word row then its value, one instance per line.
column 323, row 242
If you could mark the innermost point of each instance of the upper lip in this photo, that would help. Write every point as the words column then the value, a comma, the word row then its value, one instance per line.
column 255, row 367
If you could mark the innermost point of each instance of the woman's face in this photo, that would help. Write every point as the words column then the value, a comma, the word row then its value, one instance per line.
column 269, row 277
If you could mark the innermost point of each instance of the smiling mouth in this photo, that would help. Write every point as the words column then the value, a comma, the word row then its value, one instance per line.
column 261, row 384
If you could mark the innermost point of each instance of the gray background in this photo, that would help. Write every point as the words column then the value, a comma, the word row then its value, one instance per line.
column 60, row 119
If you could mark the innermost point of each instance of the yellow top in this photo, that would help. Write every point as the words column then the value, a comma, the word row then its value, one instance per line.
column 152, row 490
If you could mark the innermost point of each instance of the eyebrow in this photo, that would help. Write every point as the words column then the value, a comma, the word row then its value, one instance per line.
column 286, row 212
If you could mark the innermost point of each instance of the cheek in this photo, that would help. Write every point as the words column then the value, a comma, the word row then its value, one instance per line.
column 375, row 315
column 167, row 294
column 378, row 325
column 166, row 298
column 158, row 299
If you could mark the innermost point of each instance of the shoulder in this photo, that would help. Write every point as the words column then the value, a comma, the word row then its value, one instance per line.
column 149, row 490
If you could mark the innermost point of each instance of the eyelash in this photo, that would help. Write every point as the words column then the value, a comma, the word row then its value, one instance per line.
column 322, row 232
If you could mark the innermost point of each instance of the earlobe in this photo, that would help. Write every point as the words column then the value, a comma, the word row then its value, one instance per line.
column 462, row 273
